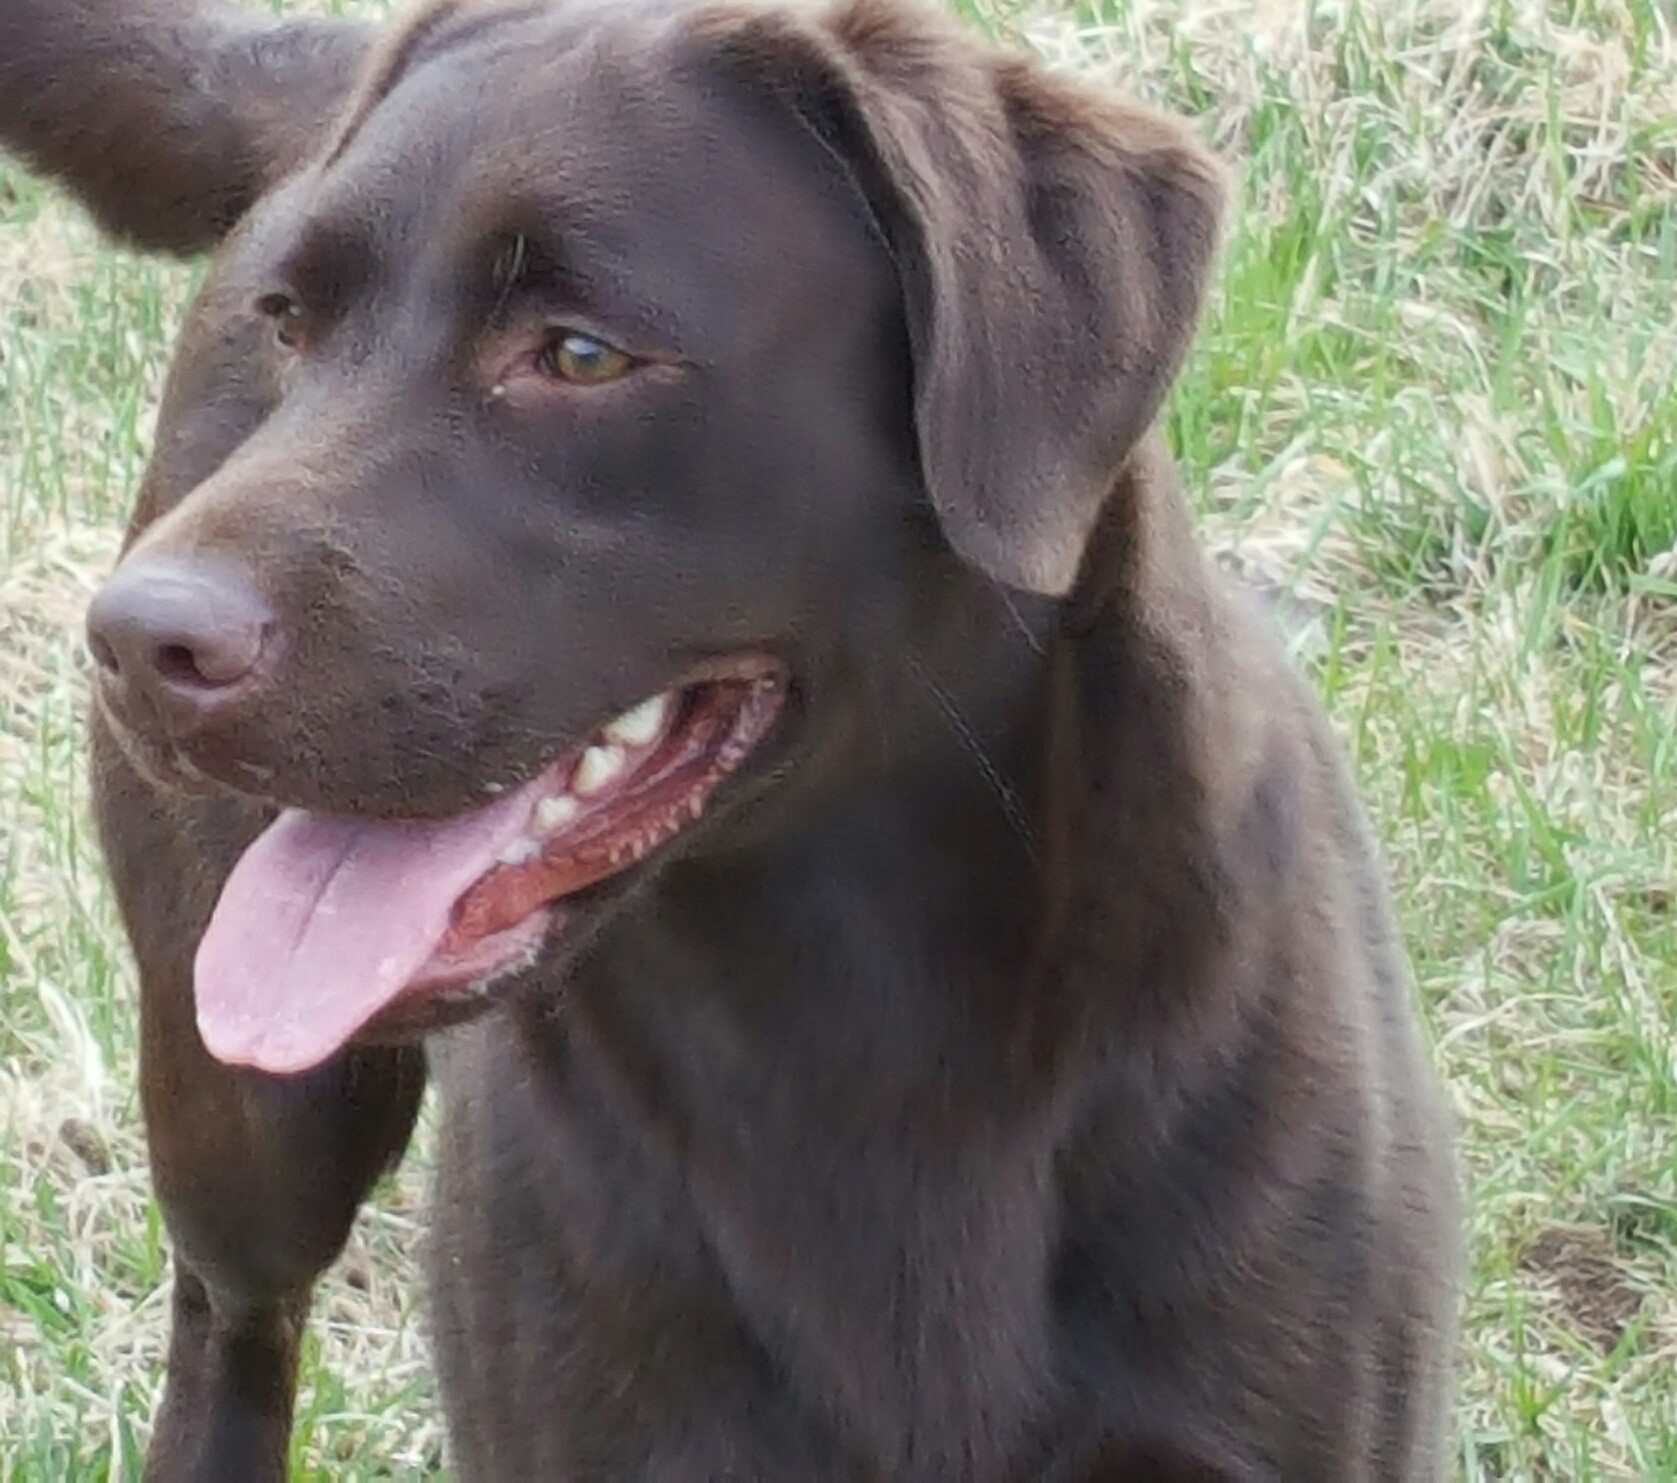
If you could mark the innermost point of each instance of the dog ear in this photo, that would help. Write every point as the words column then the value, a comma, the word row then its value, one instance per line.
column 1053, row 244
column 168, row 119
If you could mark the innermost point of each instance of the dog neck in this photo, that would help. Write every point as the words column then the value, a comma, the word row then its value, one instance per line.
column 870, row 1186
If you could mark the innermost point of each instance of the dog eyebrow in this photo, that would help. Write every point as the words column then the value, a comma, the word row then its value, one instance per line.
column 534, row 255
column 518, row 255
column 331, row 263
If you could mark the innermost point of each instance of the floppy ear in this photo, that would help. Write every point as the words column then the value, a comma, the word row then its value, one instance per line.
column 168, row 118
column 1053, row 244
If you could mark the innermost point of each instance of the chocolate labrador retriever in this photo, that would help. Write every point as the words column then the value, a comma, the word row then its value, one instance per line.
column 658, row 602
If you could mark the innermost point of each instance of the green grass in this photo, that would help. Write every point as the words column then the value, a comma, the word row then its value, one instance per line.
column 1435, row 404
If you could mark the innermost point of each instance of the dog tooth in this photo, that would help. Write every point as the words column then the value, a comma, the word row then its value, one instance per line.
column 556, row 812
column 640, row 724
column 601, row 766
column 519, row 852
column 696, row 808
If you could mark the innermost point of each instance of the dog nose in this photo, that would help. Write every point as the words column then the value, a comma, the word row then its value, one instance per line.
column 183, row 634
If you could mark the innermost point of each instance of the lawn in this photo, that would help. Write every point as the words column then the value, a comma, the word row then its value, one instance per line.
column 1434, row 407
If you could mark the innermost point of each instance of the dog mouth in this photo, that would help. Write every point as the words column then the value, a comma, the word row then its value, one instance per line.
column 327, row 925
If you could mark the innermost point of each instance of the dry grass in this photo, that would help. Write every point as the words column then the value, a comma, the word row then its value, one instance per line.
column 1435, row 405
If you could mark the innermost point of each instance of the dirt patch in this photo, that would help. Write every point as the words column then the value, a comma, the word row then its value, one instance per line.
column 1578, row 1264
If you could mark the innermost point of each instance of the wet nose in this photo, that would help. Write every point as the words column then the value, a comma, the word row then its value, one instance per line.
column 185, row 635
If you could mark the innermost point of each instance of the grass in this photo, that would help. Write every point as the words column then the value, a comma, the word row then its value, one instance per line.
column 1435, row 406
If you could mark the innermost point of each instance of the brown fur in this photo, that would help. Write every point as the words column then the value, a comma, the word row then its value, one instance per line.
column 1017, row 1077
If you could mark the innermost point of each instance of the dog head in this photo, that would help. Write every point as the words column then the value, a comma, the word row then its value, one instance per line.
column 610, row 393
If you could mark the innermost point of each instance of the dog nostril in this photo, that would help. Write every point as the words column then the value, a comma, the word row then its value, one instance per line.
column 213, row 660
column 179, row 666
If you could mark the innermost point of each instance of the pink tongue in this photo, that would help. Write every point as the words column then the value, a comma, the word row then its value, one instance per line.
column 324, row 922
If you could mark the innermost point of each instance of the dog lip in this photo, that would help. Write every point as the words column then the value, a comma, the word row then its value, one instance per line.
column 164, row 764
column 747, row 666
column 446, row 996
column 595, row 819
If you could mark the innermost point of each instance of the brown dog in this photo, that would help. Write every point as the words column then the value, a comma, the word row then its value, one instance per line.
column 655, row 557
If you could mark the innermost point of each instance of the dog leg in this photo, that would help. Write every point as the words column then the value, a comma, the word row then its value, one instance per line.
column 259, row 1177
column 260, row 1180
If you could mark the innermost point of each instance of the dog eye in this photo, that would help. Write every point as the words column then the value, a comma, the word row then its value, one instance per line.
column 580, row 359
column 287, row 316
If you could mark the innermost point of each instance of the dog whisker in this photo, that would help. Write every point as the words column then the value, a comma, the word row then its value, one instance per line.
column 968, row 739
